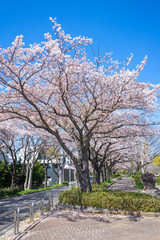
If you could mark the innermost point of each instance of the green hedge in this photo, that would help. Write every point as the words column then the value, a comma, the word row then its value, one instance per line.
column 111, row 199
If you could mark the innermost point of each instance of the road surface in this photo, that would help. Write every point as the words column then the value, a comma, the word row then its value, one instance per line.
column 15, row 202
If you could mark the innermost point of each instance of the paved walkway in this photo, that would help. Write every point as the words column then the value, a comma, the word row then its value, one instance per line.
column 70, row 225
column 124, row 184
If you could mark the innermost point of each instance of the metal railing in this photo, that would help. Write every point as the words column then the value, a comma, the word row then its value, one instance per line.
column 31, row 206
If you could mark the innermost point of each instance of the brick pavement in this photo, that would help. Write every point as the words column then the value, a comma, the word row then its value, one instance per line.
column 70, row 225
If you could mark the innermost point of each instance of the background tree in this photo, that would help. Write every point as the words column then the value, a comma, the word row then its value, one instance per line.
column 6, row 177
column 11, row 144
column 38, row 175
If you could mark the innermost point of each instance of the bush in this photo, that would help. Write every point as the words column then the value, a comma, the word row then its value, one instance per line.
column 119, row 173
column 72, row 196
column 158, row 180
column 100, row 197
column 7, row 192
column 137, row 180
column 108, row 182
column 122, row 172
column 65, row 183
column 116, row 175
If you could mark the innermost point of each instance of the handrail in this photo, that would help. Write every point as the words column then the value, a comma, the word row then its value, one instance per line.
column 31, row 205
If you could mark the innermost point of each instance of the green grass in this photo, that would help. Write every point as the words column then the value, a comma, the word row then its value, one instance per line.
column 108, row 182
column 13, row 192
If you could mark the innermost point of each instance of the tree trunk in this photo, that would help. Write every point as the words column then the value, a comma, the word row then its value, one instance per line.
column 94, row 176
column 14, row 181
column 108, row 172
column 103, row 178
column 83, row 170
column 97, row 176
column 30, row 178
column 84, row 181
column 60, row 175
column 56, row 174
column 46, row 175
column 105, row 175
column 26, row 179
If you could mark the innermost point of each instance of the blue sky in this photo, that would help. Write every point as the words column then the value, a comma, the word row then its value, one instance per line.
column 118, row 26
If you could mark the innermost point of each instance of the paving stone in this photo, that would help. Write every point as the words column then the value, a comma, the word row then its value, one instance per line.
column 124, row 184
column 70, row 225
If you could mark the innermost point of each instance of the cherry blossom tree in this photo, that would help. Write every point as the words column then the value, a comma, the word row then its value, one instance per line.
column 55, row 88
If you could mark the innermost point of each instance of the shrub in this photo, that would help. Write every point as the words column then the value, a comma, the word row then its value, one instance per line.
column 65, row 183
column 122, row 172
column 100, row 197
column 119, row 173
column 137, row 180
column 116, row 175
column 158, row 180
column 6, row 192
column 108, row 182
column 72, row 196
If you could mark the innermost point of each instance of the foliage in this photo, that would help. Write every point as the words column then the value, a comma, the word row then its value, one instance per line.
column 5, row 176
column 158, row 180
column 72, row 196
column 20, row 178
column 119, row 173
column 65, row 183
column 156, row 161
column 122, row 172
column 100, row 197
column 116, row 175
column 38, row 175
column 137, row 180
column 7, row 192
column 108, row 182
